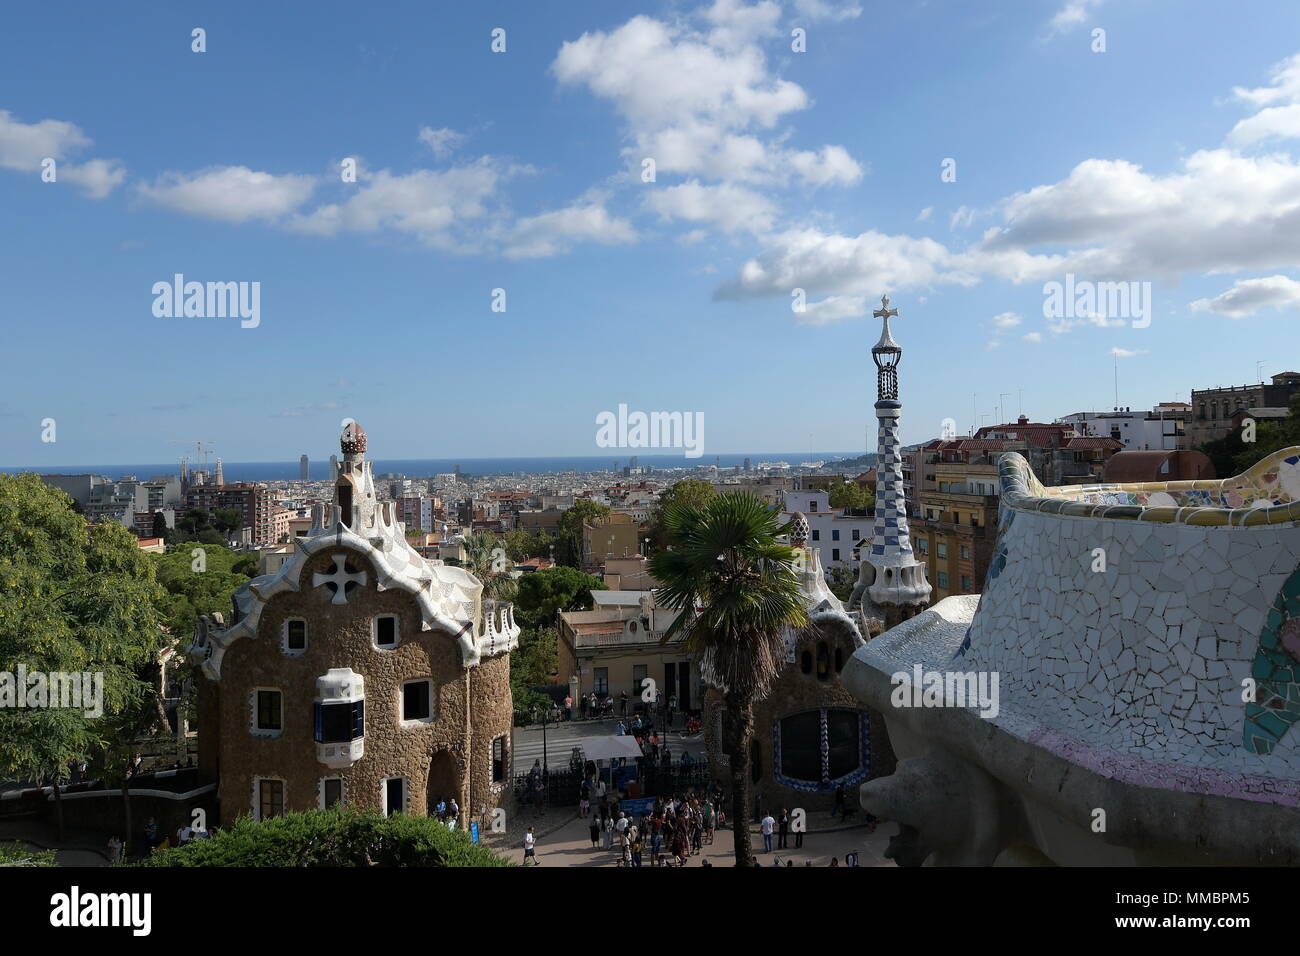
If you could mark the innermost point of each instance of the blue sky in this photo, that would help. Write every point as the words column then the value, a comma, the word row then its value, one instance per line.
column 1168, row 158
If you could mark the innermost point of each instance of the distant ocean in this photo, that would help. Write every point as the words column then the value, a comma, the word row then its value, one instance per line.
column 428, row 467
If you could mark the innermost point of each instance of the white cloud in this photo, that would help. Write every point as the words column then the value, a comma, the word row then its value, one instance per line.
column 1285, row 87
column 1108, row 220
column 844, row 265
column 97, row 177
column 1006, row 320
column 1248, row 296
column 1127, row 353
column 815, row 10
column 553, row 232
column 924, row 214
column 1032, row 337
column 962, row 218
column 443, row 142
column 433, row 205
column 729, row 207
column 737, row 25
column 703, row 103
column 832, row 309
column 1072, row 14
column 23, row 146
column 1059, row 326
column 1279, row 107
column 231, row 193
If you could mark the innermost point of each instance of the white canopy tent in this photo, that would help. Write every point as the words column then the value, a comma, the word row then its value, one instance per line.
column 607, row 748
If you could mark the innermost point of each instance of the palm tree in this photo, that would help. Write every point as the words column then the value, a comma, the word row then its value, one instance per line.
column 485, row 558
column 737, row 590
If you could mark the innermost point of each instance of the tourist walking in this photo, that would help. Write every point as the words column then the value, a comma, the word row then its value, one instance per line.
column 530, row 848
column 636, row 842
column 765, row 826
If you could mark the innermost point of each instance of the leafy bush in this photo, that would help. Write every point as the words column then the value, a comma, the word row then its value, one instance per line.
column 334, row 837
column 19, row 854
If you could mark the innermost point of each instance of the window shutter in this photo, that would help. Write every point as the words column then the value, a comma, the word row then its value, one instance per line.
column 359, row 729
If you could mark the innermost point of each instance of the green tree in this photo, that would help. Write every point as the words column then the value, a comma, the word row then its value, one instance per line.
column 73, row 598
column 851, row 495
column 542, row 594
column 228, row 520
column 1269, row 437
column 568, row 545
column 191, row 592
column 688, row 491
column 841, row 580
column 1224, row 452
column 532, row 664
column 738, row 591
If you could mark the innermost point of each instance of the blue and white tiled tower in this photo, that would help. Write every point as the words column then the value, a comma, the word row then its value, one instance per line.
column 892, row 585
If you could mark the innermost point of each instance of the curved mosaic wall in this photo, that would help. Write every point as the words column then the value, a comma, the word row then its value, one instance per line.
column 1269, row 493
column 1130, row 624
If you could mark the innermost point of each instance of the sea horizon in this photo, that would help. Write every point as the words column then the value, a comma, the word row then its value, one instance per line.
column 428, row 467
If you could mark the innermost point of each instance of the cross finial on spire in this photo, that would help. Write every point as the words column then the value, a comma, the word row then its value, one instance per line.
column 884, row 311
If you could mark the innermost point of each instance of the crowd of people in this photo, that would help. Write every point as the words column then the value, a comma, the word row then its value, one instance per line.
column 675, row 828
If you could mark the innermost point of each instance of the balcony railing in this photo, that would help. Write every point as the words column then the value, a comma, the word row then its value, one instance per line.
column 621, row 639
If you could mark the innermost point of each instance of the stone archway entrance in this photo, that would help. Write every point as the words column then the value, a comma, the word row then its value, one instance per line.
column 444, row 780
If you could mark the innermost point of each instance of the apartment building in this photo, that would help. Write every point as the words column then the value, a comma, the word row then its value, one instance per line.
column 955, row 528
column 266, row 520
column 612, row 649
column 1161, row 429
column 612, row 536
column 834, row 533
column 1213, row 408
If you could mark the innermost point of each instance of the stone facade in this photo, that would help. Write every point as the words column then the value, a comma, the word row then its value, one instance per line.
column 348, row 580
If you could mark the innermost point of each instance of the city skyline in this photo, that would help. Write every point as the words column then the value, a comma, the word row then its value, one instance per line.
column 824, row 169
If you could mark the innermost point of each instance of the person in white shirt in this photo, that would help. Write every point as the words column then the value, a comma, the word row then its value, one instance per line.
column 530, row 848
column 766, row 826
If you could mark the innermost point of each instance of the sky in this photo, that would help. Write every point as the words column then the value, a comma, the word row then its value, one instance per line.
column 960, row 157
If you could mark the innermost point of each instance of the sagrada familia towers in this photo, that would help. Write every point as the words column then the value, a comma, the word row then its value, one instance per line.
column 892, row 585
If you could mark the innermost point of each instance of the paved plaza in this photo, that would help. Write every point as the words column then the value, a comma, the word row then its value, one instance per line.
column 570, row 845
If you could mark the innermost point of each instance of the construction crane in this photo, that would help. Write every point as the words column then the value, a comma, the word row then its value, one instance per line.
column 200, row 454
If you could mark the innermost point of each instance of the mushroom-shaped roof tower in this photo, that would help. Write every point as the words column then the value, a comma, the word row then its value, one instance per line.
column 353, row 439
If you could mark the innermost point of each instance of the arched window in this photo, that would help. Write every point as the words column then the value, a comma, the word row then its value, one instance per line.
column 839, row 659
column 823, row 661
column 818, row 750
column 805, row 662
column 345, row 503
